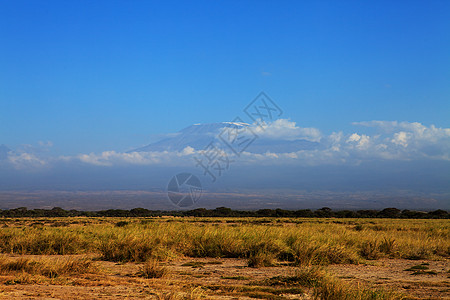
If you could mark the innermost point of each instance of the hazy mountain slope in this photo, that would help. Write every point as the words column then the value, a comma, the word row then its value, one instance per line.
column 198, row 136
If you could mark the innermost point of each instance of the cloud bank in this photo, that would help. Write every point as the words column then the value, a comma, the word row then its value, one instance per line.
column 388, row 140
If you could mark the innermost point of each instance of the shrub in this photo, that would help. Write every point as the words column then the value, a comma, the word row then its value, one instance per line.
column 151, row 269
column 387, row 245
column 122, row 224
column 369, row 250
column 260, row 259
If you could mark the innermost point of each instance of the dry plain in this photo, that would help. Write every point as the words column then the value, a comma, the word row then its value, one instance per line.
column 224, row 258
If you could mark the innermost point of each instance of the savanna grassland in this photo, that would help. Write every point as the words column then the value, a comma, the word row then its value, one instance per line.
column 224, row 258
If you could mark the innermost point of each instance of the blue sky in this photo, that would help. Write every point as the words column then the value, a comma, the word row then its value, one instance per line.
column 364, row 87
column 91, row 76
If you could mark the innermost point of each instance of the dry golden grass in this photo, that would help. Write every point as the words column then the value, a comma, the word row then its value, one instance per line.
column 262, row 242
column 326, row 287
column 303, row 241
column 48, row 267
column 151, row 269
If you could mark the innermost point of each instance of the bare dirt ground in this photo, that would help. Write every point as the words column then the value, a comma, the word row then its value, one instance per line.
column 432, row 282
column 223, row 279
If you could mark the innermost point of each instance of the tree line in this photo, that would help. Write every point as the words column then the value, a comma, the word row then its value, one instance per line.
column 324, row 212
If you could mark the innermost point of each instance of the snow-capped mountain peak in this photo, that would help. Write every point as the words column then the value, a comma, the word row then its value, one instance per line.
column 198, row 136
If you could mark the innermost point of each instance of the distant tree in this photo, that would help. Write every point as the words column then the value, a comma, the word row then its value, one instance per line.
column 345, row 214
column 74, row 213
column 367, row 213
column 439, row 214
column 18, row 212
column 390, row 212
column 412, row 214
column 140, row 212
column 57, row 212
column 199, row 212
column 282, row 213
column 324, row 212
column 303, row 213
column 227, row 212
column 223, row 212
column 265, row 212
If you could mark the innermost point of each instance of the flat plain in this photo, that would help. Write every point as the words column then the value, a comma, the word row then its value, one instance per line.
column 224, row 258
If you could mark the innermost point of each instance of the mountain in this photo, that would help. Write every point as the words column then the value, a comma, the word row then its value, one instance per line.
column 4, row 152
column 198, row 136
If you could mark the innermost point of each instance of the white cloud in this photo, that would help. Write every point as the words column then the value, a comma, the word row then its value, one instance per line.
column 397, row 141
column 354, row 138
column 25, row 160
column 359, row 141
column 188, row 150
column 113, row 158
column 401, row 138
column 287, row 130
column 413, row 140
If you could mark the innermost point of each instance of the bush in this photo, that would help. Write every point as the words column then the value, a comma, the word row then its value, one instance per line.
column 151, row 269
column 260, row 259
column 369, row 250
column 122, row 223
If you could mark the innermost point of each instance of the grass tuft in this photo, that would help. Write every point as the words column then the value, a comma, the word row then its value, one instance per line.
column 50, row 268
column 260, row 259
column 151, row 269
